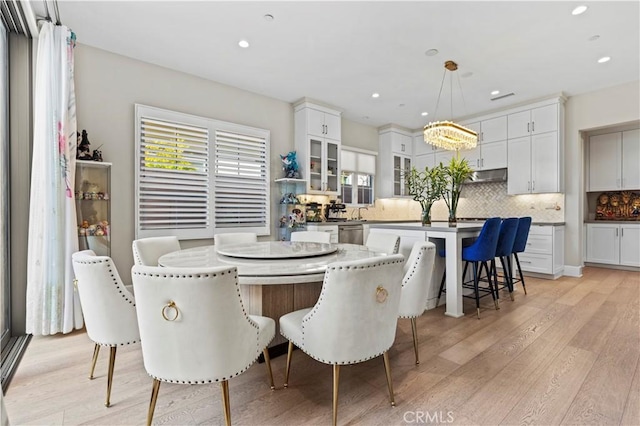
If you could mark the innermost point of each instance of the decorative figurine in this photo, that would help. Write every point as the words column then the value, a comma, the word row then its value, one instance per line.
column 83, row 152
column 97, row 154
column 290, row 165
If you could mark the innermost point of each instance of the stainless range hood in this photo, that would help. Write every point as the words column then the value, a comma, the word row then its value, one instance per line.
column 496, row 175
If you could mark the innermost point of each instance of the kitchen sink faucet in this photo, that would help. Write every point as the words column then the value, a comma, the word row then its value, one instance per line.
column 359, row 210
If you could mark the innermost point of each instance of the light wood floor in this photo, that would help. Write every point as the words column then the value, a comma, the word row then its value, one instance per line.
column 567, row 353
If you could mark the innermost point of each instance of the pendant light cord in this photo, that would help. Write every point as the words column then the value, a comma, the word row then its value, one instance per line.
column 435, row 115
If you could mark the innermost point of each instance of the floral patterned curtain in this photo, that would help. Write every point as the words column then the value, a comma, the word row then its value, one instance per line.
column 52, row 304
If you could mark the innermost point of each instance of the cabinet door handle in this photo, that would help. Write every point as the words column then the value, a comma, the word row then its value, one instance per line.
column 533, row 126
column 481, row 136
column 622, row 232
column 525, row 261
column 533, row 185
column 528, row 128
column 528, row 186
column 482, row 162
column 616, row 232
column 477, row 163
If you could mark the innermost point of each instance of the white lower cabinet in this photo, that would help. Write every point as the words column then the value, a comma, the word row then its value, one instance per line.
column 331, row 229
column 544, row 253
column 613, row 244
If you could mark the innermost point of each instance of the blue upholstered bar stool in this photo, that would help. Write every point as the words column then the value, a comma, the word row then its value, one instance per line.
column 506, row 237
column 519, row 245
column 479, row 253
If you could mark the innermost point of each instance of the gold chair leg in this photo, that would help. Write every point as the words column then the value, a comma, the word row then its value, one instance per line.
column 225, row 402
column 414, row 330
column 387, row 370
column 286, row 372
column 336, row 381
column 96, row 351
column 155, row 389
column 112, row 363
column 267, row 361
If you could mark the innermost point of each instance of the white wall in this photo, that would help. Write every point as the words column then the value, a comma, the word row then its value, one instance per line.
column 108, row 86
column 603, row 108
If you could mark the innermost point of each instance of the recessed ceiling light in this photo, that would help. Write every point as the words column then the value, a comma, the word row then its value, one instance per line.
column 424, row 114
column 467, row 74
column 495, row 92
column 401, row 105
column 243, row 43
column 593, row 37
column 579, row 10
column 268, row 17
column 431, row 52
column 604, row 59
column 366, row 117
column 375, row 95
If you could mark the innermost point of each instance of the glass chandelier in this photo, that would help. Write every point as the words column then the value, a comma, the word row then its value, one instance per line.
column 447, row 134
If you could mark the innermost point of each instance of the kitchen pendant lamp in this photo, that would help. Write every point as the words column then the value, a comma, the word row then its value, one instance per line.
column 447, row 134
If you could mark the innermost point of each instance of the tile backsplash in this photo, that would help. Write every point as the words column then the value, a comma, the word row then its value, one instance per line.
column 477, row 200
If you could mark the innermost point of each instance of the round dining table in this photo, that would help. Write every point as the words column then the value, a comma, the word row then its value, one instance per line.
column 275, row 277
column 270, row 262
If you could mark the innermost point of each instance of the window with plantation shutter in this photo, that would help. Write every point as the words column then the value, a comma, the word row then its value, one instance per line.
column 198, row 176
column 241, row 179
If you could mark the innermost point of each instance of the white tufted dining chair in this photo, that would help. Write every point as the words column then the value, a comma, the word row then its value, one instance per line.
column 109, row 309
column 311, row 237
column 383, row 242
column 234, row 238
column 354, row 319
column 147, row 251
column 416, row 285
column 195, row 330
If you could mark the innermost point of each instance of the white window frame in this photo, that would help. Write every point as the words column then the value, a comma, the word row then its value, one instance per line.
column 358, row 170
column 213, row 224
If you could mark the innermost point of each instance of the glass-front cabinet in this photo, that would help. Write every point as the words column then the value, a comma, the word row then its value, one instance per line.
column 93, row 206
column 317, row 134
column 323, row 166
column 401, row 166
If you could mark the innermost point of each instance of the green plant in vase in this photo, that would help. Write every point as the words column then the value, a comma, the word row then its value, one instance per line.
column 456, row 173
column 426, row 187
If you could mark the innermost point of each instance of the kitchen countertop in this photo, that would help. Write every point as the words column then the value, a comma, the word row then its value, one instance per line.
column 615, row 222
column 391, row 222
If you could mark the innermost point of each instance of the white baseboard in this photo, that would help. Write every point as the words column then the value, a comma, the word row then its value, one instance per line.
column 573, row 271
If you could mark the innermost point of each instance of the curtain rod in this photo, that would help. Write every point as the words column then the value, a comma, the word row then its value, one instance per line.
column 56, row 11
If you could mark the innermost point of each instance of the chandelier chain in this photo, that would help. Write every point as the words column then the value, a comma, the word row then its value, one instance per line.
column 435, row 114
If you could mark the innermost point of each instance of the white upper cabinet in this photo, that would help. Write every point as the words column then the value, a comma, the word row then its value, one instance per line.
column 394, row 160
column 317, row 134
column 534, row 121
column 614, row 160
column 491, row 152
column 421, row 147
column 631, row 159
column 402, row 144
column 493, row 130
column 323, row 124
column 604, row 162
column 535, row 150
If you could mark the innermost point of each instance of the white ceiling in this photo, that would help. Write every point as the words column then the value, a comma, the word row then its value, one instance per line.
column 342, row 52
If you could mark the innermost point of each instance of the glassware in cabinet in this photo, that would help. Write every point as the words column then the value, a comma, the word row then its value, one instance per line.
column 291, row 211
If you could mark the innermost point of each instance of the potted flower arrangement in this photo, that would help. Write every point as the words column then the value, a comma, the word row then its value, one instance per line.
column 426, row 187
column 456, row 173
